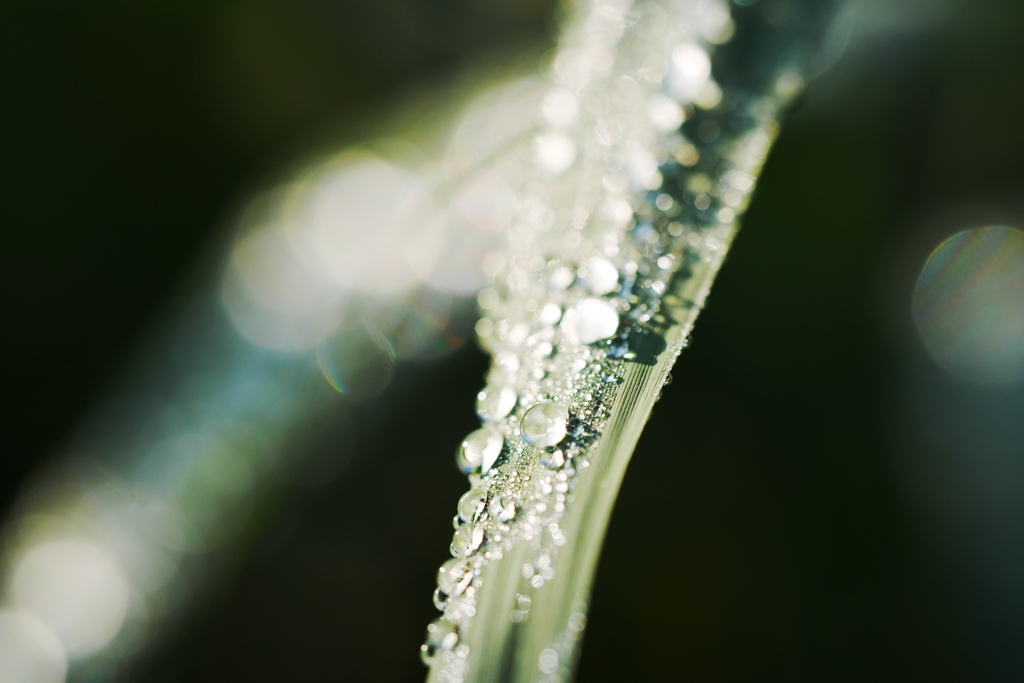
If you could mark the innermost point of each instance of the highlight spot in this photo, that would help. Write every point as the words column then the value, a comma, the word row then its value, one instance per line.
column 968, row 305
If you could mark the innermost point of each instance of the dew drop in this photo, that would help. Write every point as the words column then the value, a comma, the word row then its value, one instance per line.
column 665, row 113
column 553, row 460
column 494, row 403
column 454, row 577
column 472, row 505
column 502, row 509
column 480, row 450
column 442, row 636
column 440, row 599
column 507, row 361
column 561, row 277
column 590, row 320
column 544, row 424
column 467, row 539
column 549, row 314
column 602, row 277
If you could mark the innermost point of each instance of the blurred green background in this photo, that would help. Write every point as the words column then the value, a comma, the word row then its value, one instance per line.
column 814, row 498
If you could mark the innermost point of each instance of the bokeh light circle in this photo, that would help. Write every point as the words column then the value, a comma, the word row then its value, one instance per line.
column 29, row 652
column 75, row 589
column 357, row 360
column 968, row 305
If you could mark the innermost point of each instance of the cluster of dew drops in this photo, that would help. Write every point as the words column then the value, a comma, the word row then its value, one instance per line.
column 545, row 427
column 567, row 327
column 593, row 345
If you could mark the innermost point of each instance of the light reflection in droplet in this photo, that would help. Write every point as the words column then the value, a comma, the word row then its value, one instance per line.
column 968, row 305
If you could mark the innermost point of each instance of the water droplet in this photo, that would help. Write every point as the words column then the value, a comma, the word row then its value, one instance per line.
column 467, row 539
column 507, row 361
column 454, row 577
column 440, row 599
column 665, row 113
column 544, row 424
column 442, row 636
column 553, row 460
column 494, row 403
column 602, row 277
column 590, row 320
column 543, row 350
column 549, row 314
column 502, row 509
column 577, row 428
column 560, row 277
column 691, row 69
column 480, row 450
column 472, row 505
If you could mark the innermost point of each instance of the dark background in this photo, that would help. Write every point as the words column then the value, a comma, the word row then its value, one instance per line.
column 801, row 506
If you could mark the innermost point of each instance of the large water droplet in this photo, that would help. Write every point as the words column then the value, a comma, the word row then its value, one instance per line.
column 544, row 424
column 590, row 320
column 454, row 577
column 442, row 636
column 494, row 403
column 480, row 450
column 467, row 539
column 472, row 504
column 602, row 277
